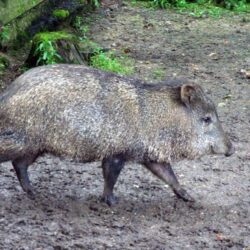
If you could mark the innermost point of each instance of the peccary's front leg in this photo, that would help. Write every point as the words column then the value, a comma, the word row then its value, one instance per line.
column 166, row 173
column 21, row 168
column 111, row 167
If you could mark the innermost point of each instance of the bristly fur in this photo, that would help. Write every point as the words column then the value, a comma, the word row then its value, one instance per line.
column 85, row 114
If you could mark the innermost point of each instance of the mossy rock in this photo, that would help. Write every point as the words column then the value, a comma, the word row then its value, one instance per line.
column 54, row 47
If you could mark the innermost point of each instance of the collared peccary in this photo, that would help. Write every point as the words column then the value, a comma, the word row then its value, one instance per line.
column 89, row 115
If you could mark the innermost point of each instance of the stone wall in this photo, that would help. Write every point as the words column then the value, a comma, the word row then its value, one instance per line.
column 10, row 9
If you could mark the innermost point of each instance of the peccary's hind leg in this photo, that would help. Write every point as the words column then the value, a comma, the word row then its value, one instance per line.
column 166, row 173
column 111, row 167
column 21, row 165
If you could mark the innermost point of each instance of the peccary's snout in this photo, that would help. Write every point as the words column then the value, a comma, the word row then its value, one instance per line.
column 222, row 144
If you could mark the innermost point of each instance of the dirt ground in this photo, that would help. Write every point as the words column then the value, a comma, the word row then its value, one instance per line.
column 68, row 214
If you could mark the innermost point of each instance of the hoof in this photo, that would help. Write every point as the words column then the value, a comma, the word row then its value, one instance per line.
column 183, row 194
column 111, row 200
column 31, row 194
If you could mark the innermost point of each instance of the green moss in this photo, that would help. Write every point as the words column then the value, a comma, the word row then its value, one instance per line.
column 53, row 36
column 60, row 13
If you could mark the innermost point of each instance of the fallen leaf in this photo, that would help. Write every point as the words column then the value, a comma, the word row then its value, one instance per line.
column 127, row 50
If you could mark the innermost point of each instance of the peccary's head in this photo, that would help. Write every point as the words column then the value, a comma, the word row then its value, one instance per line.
column 208, row 136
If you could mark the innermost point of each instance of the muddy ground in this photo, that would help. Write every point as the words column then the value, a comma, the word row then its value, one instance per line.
column 67, row 213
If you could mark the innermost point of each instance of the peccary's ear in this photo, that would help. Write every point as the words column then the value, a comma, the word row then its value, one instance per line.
column 189, row 93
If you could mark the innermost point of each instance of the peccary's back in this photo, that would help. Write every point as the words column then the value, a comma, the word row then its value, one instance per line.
column 87, row 114
column 75, row 111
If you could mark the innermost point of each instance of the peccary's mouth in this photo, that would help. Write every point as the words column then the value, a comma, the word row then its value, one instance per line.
column 229, row 152
column 212, row 150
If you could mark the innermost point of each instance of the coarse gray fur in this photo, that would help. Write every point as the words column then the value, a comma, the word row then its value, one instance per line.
column 88, row 115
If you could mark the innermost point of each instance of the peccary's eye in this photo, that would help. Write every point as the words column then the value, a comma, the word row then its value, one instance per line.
column 207, row 119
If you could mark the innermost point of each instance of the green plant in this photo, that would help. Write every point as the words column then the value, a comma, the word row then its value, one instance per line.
column 203, row 9
column 2, row 67
column 199, row 8
column 46, row 53
column 80, row 27
column 3, row 64
column 241, row 6
column 161, row 3
column 108, row 62
column 77, row 22
column 24, row 68
column 164, row 4
column 232, row 4
column 4, row 34
column 95, row 3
